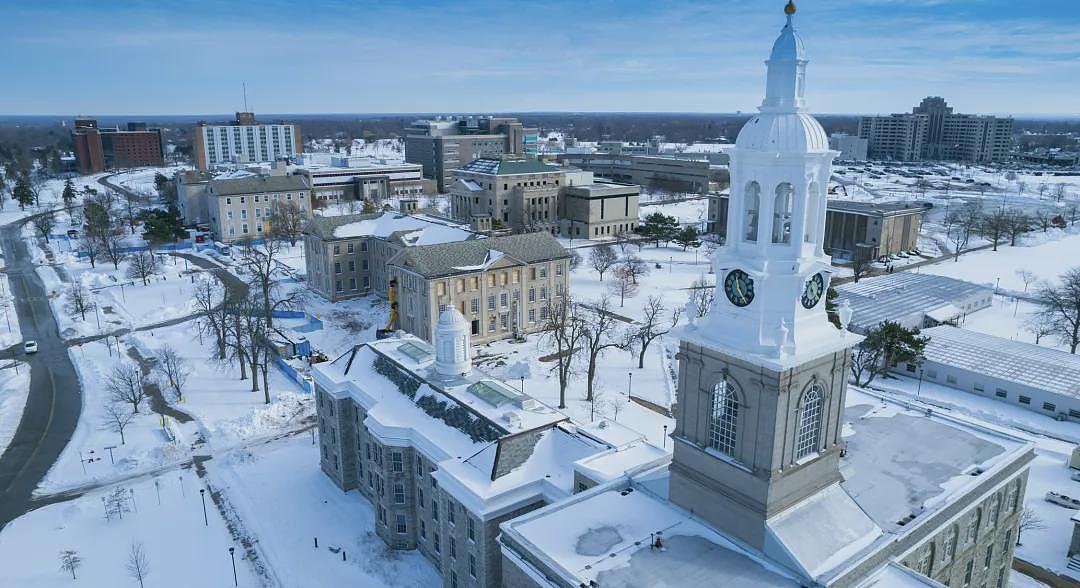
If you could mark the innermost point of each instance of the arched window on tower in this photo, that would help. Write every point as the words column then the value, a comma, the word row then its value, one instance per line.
column 781, row 227
column 808, row 432
column 752, row 198
column 811, row 212
column 724, row 418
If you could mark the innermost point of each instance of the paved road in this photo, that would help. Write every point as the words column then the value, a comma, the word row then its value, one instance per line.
column 55, row 399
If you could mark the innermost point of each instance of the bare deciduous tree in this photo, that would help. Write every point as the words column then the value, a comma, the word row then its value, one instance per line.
column 44, row 222
column 1029, row 521
column 141, row 266
column 173, row 369
column 622, row 286
column 213, row 313
column 286, row 221
column 1016, row 223
column 78, row 300
column 860, row 263
column 601, row 328
column 111, row 244
column 634, row 267
column 994, row 226
column 117, row 418
column 652, row 324
column 702, row 292
column 602, row 258
column 1039, row 327
column 963, row 223
column 264, row 269
column 1061, row 307
column 70, row 562
column 1026, row 276
column 565, row 330
column 89, row 245
column 125, row 384
column 138, row 564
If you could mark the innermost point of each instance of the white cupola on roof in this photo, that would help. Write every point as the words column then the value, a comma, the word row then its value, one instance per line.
column 453, row 348
column 783, row 125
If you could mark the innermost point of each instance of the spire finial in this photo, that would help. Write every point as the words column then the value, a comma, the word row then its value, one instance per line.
column 790, row 8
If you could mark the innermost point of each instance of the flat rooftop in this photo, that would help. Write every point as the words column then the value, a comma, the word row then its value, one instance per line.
column 899, row 462
column 908, row 296
column 1030, row 365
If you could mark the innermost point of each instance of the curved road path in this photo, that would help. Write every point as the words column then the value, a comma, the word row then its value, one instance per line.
column 55, row 399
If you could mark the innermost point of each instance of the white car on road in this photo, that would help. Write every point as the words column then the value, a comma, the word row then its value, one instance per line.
column 30, row 347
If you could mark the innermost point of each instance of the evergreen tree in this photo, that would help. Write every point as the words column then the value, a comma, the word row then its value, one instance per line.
column 164, row 226
column 658, row 227
column 885, row 346
column 69, row 193
column 830, row 307
column 688, row 237
column 23, row 193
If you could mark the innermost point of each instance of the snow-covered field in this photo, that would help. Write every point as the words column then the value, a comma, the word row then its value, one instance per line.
column 261, row 481
column 181, row 549
column 1047, row 255
column 14, row 388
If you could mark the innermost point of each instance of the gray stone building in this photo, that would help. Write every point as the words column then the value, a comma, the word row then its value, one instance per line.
column 446, row 453
column 688, row 172
column 191, row 197
column 348, row 179
column 443, row 144
column 503, row 286
column 518, row 194
column 348, row 256
column 597, row 209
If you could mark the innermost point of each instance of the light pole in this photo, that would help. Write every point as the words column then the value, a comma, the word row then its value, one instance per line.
column 522, row 384
column 202, row 494
column 918, row 390
column 232, row 556
column 629, row 383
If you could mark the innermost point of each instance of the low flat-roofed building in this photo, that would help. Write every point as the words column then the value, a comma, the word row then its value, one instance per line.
column 598, row 209
column 915, row 300
column 1041, row 379
column 353, row 178
column 872, row 529
column 445, row 453
column 687, row 172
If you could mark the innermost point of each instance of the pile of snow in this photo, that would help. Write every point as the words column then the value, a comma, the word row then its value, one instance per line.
column 285, row 412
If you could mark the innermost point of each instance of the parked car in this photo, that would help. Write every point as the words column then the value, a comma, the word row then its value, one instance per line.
column 29, row 347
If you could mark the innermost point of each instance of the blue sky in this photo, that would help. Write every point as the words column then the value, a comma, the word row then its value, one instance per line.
column 320, row 56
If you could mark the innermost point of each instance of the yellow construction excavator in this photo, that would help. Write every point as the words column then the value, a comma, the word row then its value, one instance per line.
column 388, row 330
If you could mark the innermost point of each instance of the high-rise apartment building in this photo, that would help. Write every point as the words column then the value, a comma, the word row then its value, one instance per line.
column 244, row 141
column 443, row 144
column 98, row 149
column 933, row 131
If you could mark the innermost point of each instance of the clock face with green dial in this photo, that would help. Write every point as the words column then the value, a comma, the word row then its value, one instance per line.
column 739, row 288
column 813, row 291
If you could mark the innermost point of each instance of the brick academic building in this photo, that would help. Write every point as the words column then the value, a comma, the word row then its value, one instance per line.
column 98, row 149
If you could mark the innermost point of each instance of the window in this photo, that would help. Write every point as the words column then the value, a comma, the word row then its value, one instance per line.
column 973, row 525
column 752, row 196
column 978, row 387
column 724, row 418
column 337, row 267
column 1014, row 497
column 397, row 461
column 382, row 515
column 351, row 247
column 419, row 466
column 1000, row 393
column 491, row 302
column 995, row 510
column 474, row 305
column 967, row 573
column 402, row 527
column 435, row 542
column 989, row 556
column 1049, row 406
column 420, row 498
column 1007, row 543
column 504, row 300
column 532, row 315
column 806, row 440
column 399, row 494
column 532, row 294
column 423, row 530
column 434, row 509
column 471, row 529
column 926, row 561
column 781, row 228
column 543, row 271
column 1025, row 399
column 452, row 547
column 453, row 579
column 472, row 566
column 949, row 547
column 950, row 379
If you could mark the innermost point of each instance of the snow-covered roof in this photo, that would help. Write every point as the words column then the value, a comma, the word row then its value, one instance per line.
column 908, row 297
column 606, row 537
column 496, row 448
column 408, row 229
column 1026, row 364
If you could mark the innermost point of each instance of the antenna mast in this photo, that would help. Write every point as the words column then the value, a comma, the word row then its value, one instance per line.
column 244, row 84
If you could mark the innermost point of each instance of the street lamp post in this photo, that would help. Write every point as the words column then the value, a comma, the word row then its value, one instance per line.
column 202, row 494
column 918, row 390
column 522, row 384
column 629, row 383
column 232, row 556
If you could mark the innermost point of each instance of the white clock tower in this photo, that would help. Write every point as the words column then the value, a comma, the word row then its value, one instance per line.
column 762, row 377
column 772, row 273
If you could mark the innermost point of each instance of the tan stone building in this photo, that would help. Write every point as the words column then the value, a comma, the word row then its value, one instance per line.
column 240, row 208
column 501, row 285
column 598, row 209
column 518, row 194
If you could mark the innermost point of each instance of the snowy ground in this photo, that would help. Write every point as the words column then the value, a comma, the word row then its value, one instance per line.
column 1054, row 441
column 10, row 334
column 254, row 482
column 1047, row 255
column 14, row 388
column 182, row 550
